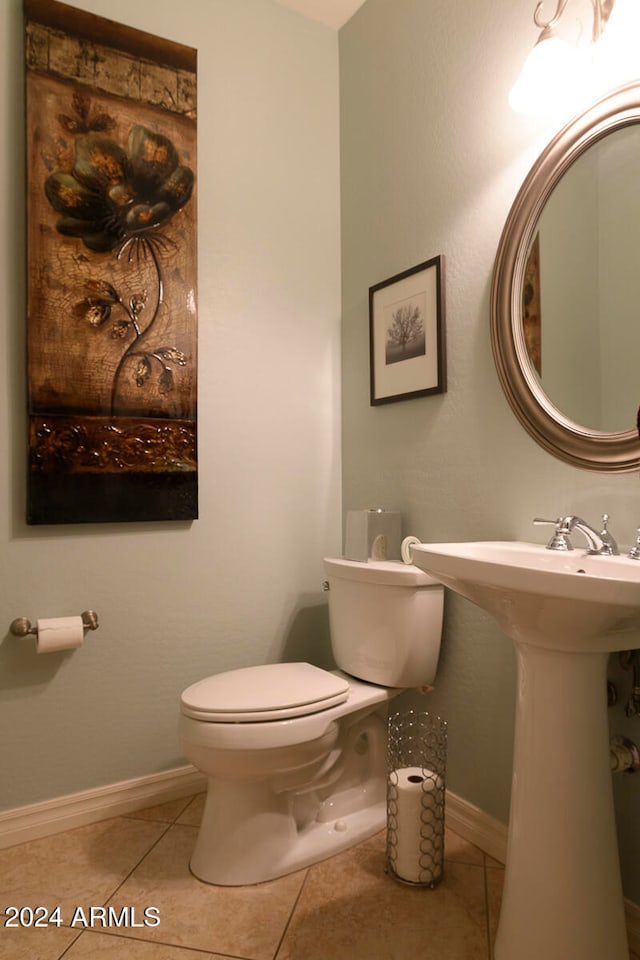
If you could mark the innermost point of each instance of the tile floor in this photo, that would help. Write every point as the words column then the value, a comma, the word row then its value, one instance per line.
column 345, row 908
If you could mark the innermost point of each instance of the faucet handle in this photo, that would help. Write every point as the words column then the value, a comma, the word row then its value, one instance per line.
column 560, row 539
column 634, row 553
column 607, row 538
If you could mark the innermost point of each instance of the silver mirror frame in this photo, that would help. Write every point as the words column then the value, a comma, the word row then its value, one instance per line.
column 580, row 446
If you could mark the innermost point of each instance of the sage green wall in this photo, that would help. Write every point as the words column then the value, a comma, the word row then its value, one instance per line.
column 242, row 584
column 432, row 158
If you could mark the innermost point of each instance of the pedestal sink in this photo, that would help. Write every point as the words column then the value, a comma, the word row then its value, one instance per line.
column 565, row 613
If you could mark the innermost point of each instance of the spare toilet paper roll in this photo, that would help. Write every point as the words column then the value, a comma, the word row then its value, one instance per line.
column 59, row 633
column 405, row 549
column 418, row 847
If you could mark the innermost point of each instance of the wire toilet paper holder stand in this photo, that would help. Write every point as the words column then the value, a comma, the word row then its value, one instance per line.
column 416, row 770
column 22, row 627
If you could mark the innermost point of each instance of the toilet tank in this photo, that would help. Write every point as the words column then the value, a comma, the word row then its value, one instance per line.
column 385, row 619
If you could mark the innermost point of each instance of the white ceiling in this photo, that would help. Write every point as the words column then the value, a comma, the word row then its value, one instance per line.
column 333, row 13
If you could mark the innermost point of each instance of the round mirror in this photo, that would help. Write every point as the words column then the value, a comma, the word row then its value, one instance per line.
column 564, row 324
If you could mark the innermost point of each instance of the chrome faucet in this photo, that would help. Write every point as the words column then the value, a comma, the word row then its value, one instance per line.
column 600, row 543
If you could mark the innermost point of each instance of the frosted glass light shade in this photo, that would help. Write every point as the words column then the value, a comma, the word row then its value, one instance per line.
column 554, row 79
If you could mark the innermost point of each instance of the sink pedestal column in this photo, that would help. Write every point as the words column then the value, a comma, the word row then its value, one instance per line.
column 562, row 895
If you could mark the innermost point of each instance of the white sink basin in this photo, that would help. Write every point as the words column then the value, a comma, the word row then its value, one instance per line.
column 568, row 601
column 565, row 612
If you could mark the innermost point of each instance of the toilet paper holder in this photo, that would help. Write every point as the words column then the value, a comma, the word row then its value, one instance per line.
column 21, row 626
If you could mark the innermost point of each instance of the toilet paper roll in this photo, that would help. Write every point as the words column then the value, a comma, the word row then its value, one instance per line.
column 59, row 633
column 405, row 549
column 418, row 843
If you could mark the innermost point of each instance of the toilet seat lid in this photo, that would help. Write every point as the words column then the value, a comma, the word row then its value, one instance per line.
column 272, row 691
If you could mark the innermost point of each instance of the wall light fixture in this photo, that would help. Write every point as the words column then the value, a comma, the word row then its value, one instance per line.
column 561, row 77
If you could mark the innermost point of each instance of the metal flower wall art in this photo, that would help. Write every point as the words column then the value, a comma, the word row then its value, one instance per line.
column 116, row 201
column 111, row 300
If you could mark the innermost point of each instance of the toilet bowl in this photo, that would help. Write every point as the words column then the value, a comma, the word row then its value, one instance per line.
column 295, row 756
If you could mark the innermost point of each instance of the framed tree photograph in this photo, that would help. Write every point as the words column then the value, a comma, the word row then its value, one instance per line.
column 407, row 334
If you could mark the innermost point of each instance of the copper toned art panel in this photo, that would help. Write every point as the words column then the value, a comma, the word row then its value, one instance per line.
column 111, row 300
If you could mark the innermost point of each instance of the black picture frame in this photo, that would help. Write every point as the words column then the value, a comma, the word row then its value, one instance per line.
column 407, row 348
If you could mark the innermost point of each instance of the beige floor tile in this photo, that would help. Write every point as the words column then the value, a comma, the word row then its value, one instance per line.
column 99, row 946
column 243, row 921
column 192, row 816
column 495, row 882
column 351, row 910
column 167, row 812
column 79, row 868
column 33, row 943
column 459, row 850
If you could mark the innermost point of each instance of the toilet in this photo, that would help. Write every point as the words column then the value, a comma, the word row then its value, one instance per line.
column 295, row 756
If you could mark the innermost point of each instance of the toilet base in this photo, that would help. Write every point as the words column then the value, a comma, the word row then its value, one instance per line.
column 267, row 843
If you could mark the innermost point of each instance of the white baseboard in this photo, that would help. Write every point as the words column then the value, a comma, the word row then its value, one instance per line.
column 491, row 836
column 64, row 813
column 89, row 806
column 476, row 826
